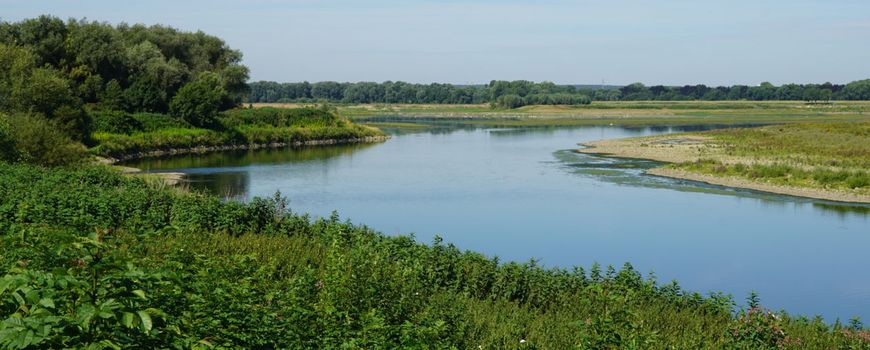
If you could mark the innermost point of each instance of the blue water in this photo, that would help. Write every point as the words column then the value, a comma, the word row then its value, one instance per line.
column 523, row 193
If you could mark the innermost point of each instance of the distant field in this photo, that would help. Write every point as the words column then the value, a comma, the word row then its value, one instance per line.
column 620, row 113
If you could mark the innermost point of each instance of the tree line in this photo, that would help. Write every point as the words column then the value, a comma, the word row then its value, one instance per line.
column 511, row 94
column 64, row 71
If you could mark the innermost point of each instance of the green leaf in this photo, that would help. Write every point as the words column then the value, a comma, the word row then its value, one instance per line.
column 47, row 302
column 84, row 314
column 128, row 319
column 140, row 293
column 146, row 320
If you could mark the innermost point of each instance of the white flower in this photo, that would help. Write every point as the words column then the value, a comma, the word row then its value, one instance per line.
column 522, row 341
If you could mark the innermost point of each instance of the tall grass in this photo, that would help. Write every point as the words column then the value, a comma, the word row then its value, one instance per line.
column 822, row 155
column 121, row 135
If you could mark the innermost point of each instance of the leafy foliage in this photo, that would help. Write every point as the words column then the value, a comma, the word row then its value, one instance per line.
column 120, row 135
column 57, row 70
column 198, row 102
column 37, row 140
column 90, row 258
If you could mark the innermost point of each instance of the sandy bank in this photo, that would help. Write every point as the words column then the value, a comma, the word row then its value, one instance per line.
column 680, row 149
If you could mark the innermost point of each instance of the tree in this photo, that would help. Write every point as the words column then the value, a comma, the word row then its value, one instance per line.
column 636, row 91
column 234, row 82
column 812, row 94
column 45, row 36
column 145, row 95
column 48, row 93
column 112, row 97
column 510, row 101
column 199, row 101
column 327, row 90
column 98, row 47
column 825, row 95
column 857, row 90
column 16, row 63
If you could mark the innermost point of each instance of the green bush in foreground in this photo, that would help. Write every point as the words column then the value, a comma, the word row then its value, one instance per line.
column 90, row 258
column 35, row 139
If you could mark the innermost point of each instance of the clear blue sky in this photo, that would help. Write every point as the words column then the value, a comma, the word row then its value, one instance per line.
column 473, row 41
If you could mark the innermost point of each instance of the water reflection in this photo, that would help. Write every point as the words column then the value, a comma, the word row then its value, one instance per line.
column 225, row 174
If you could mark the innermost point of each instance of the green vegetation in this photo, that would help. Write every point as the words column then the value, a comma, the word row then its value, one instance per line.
column 91, row 258
column 61, row 70
column 634, row 113
column 815, row 155
column 65, row 86
column 124, row 134
column 512, row 94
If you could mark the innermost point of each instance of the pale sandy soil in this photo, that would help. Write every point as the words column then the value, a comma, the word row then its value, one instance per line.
column 682, row 148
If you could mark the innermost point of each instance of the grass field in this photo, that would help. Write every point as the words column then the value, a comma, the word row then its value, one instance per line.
column 617, row 113
column 823, row 160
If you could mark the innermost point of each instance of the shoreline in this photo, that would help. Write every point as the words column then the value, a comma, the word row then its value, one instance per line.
column 232, row 147
column 693, row 151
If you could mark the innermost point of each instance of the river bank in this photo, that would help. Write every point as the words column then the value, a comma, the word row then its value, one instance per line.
column 625, row 113
column 822, row 161
column 234, row 147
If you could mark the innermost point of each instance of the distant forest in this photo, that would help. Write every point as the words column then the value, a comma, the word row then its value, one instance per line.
column 521, row 92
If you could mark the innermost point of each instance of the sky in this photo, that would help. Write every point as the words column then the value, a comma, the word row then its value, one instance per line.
column 670, row 42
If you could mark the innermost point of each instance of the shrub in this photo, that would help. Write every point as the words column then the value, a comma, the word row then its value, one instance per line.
column 282, row 117
column 117, row 122
column 40, row 141
column 8, row 150
column 155, row 121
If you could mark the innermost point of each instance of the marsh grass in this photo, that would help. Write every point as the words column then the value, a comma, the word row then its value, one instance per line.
column 816, row 155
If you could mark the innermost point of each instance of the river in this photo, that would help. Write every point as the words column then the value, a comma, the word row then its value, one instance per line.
column 523, row 193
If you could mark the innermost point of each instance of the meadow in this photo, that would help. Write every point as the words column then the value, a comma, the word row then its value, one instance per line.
column 817, row 155
column 829, row 160
column 624, row 113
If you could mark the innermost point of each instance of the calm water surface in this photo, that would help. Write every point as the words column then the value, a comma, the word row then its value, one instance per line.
column 523, row 193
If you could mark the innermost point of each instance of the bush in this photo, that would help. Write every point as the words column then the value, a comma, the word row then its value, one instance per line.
column 117, row 122
column 281, row 117
column 40, row 141
column 8, row 150
column 156, row 121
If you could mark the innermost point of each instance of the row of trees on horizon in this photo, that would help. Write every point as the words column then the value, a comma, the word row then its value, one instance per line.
column 501, row 92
